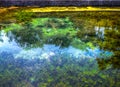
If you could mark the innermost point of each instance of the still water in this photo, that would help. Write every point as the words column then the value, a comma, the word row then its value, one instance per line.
column 59, row 52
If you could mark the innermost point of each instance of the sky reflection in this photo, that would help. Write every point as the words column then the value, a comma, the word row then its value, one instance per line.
column 44, row 52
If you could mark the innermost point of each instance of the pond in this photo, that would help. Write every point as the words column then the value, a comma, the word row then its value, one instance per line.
column 78, row 49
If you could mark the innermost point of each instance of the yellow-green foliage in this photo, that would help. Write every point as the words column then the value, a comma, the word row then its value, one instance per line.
column 12, row 27
column 23, row 16
column 111, row 43
column 54, row 26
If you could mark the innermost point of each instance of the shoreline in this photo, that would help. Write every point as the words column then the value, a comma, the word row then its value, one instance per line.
column 70, row 9
column 59, row 9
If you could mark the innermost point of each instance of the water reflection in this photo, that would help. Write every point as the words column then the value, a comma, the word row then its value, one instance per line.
column 8, row 46
column 100, row 31
column 47, row 52
column 26, row 36
column 32, row 40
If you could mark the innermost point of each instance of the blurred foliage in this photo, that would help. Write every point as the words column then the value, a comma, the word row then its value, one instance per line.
column 112, row 43
column 61, row 28
column 77, row 43
column 59, row 70
column 59, row 40
column 12, row 27
column 37, row 33
column 25, row 35
column 23, row 16
column 63, row 70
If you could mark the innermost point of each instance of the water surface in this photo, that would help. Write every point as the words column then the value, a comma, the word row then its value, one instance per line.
column 57, row 52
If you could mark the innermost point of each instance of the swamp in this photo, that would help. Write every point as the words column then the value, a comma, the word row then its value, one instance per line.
column 59, row 49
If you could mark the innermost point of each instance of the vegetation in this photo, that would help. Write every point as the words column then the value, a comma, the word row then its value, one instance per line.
column 41, row 31
column 111, row 42
column 22, row 15
column 53, row 28
column 64, row 29
column 9, row 14
column 59, row 70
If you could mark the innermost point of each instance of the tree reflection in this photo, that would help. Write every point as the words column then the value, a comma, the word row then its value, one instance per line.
column 47, row 31
column 111, row 43
column 86, row 31
column 27, row 36
column 60, row 40
column 105, row 33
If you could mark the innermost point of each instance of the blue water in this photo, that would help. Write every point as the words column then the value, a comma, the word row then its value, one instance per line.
column 46, row 51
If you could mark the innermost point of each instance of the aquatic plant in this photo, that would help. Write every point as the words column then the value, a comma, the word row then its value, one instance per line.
column 23, row 16
column 77, row 43
column 12, row 26
column 59, row 67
